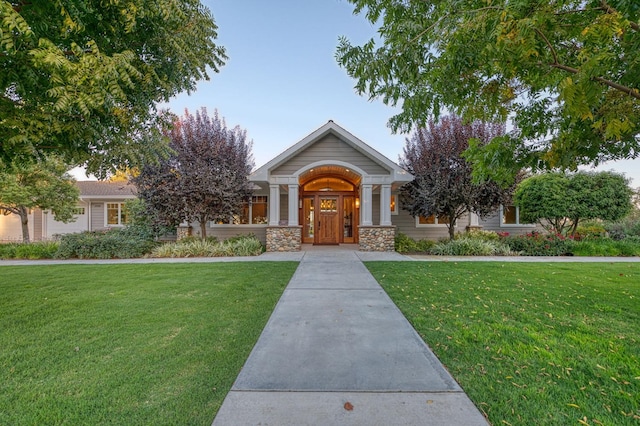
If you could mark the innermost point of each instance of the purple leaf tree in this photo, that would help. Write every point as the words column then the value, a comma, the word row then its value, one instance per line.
column 206, row 177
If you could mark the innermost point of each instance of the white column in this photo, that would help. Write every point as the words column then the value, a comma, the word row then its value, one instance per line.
column 293, row 205
column 274, row 205
column 366, row 205
column 385, row 205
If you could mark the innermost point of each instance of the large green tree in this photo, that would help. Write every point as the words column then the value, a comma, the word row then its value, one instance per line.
column 560, row 201
column 82, row 78
column 567, row 73
column 45, row 185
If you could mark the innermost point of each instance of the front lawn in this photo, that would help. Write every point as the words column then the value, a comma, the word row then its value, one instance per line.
column 129, row 344
column 531, row 343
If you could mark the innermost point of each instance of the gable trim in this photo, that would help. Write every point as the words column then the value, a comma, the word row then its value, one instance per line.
column 396, row 172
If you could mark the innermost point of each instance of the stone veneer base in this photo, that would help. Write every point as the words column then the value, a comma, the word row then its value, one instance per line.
column 284, row 238
column 183, row 232
column 377, row 238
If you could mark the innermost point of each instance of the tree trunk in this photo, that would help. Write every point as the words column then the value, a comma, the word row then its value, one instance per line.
column 203, row 228
column 452, row 229
column 574, row 228
column 24, row 219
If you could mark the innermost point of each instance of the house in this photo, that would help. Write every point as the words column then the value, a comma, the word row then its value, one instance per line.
column 101, row 206
column 332, row 188
column 329, row 188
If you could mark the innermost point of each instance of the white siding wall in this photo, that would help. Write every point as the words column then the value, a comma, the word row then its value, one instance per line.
column 11, row 228
column 53, row 227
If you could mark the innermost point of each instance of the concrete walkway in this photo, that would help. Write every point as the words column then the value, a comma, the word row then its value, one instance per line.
column 337, row 351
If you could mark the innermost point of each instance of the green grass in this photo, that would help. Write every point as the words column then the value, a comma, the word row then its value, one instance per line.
column 530, row 343
column 128, row 344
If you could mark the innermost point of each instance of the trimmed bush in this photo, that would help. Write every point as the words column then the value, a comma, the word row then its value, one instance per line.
column 112, row 244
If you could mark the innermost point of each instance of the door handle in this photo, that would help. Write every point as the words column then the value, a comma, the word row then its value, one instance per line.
column 319, row 223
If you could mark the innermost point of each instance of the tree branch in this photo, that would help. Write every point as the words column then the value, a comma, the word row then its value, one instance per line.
column 608, row 9
column 628, row 90
column 555, row 64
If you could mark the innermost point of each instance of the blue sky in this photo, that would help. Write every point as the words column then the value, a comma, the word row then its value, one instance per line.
column 282, row 81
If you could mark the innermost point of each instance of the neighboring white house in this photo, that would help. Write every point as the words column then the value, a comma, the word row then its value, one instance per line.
column 329, row 188
column 101, row 206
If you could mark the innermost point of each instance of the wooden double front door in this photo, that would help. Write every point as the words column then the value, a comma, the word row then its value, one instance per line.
column 329, row 218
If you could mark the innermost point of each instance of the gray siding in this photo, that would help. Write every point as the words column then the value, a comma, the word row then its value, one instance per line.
column 284, row 208
column 330, row 148
column 406, row 224
column 492, row 223
column 97, row 216
column 222, row 232
column 375, row 209
column 37, row 225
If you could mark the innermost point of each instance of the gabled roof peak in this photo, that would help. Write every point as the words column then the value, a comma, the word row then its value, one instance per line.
column 330, row 127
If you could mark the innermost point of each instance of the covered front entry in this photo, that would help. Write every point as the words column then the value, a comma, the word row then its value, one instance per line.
column 323, row 190
column 329, row 218
column 329, row 206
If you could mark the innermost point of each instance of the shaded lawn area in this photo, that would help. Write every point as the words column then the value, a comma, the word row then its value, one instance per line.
column 129, row 344
column 530, row 343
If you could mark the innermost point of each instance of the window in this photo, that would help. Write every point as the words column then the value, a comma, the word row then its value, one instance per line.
column 253, row 212
column 78, row 211
column 432, row 220
column 116, row 214
column 510, row 216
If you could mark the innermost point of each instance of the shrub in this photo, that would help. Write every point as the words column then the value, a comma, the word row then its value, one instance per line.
column 115, row 243
column 471, row 246
column 537, row 244
column 243, row 245
column 629, row 227
column 405, row 244
column 425, row 246
column 608, row 247
column 8, row 250
column 590, row 231
column 35, row 250
column 479, row 234
column 195, row 238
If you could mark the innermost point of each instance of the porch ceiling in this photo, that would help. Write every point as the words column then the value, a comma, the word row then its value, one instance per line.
column 336, row 171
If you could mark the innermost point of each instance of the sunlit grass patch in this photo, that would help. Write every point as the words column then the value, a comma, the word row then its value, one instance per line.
column 531, row 343
column 129, row 344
